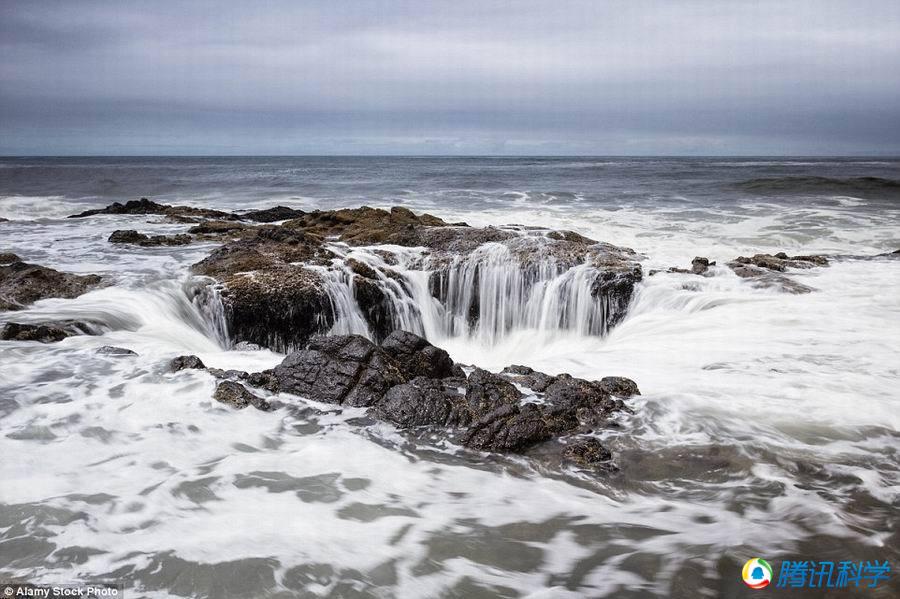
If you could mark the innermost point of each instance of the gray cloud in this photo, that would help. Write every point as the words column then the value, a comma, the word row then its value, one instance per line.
column 592, row 77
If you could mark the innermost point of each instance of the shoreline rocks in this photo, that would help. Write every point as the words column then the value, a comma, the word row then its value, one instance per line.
column 132, row 237
column 410, row 383
column 49, row 332
column 22, row 284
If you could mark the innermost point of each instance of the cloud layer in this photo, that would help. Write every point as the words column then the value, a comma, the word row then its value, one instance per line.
column 450, row 77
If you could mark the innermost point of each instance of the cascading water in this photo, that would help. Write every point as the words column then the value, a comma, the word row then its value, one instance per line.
column 482, row 296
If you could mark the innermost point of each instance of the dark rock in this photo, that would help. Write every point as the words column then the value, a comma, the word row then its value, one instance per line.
column 142, row 206
column 131, row 236
column 570, row 236
column 510, row 428
column 417, row 358
column 270, row 215
column 528, row 377
column 361, row 268
column 700, row 265
column 587, row 452
column 9, row 258
column 487, row 392
column 145, row 206
column 619, row 386
column 22, row 284
column 217, row 227
column 573, row 402
column 111, row 350
column 376, row 307
column 270, row 299
column 425, row 401
column 239, row 397
column 44, row 333
column 228, row 374
column 765, row 270
column 347, row 369
column 185, row 363
column 366, row 226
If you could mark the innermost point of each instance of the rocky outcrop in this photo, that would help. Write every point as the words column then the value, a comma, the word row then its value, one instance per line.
column 280, row 285
column 22, row 284
column 44, row 332
column 271, row 215
column 134, row 238
column 145, row 206
column 239, row 397
column 765, row 270
column 410, row 383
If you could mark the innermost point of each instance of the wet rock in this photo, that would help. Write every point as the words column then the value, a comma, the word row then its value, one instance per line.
column 9, row 258
column 270, row 215
column 376, row 307
column 486, row 392
column 239, row 397
column 145, row 206
column 510, row 428
column 132, row 237
column 231, row 373
column 587, row 452
column 700, row 265
column 186, row 363
column 346, row 369
column 111, row 350
column 619, row 386
column 528, row 377
column 361, row 268
column 415, row 357
column 765, row 270
column 142, row 206
column 43, row 333
column 781, row 261
column 22, row 284
column 425, row 402
column 271, row 298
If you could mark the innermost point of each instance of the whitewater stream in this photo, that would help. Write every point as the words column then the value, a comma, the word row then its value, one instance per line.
column 768, row 423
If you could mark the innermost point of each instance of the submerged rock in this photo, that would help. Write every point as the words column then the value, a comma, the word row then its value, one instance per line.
column 239, row 397
column 22, row 284
column 587, row 452
column 765, row 270
column 111, row 350
column 131, row 236
column 44, row 332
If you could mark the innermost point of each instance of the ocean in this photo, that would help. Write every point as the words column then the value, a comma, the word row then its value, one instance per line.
column 767, row 426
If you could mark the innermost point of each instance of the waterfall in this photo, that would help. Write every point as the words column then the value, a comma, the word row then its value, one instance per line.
column 483, row 295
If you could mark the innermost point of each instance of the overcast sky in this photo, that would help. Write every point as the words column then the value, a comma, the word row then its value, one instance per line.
column 454, row 77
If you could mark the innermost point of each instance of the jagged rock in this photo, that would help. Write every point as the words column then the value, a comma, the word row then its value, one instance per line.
column 185, row 363
column 22, row 283
column 700, row 265
column 44, row 333
column 425, row 402
column 587, row 452
column 361, row 268
column 765, row 270
column 346, row 369
column 510, row 428
column 145, row 206
column 269, row 298
column 239, row 397
column 9, row 258
column 486, row 392
column 270, row 215
column 228, row 374
column 528, row 377
column 417, row 358
column 375, row 306
column 619, row 386
column 131, row 236
column 781, row 261
column 111, row 350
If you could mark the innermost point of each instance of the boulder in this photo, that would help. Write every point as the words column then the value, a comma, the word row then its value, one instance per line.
column 186, row 363
column 346, row 369
column 425, row 402
column 528, row 377
column 239, row 397
column 416, row 357
column 486, row 392
column 22, row 284
column 587, row 452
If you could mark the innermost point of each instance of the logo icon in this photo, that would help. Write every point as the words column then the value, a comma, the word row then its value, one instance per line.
column 757, row 573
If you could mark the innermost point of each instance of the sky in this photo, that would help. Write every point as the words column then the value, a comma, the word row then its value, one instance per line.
column 514, row 77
